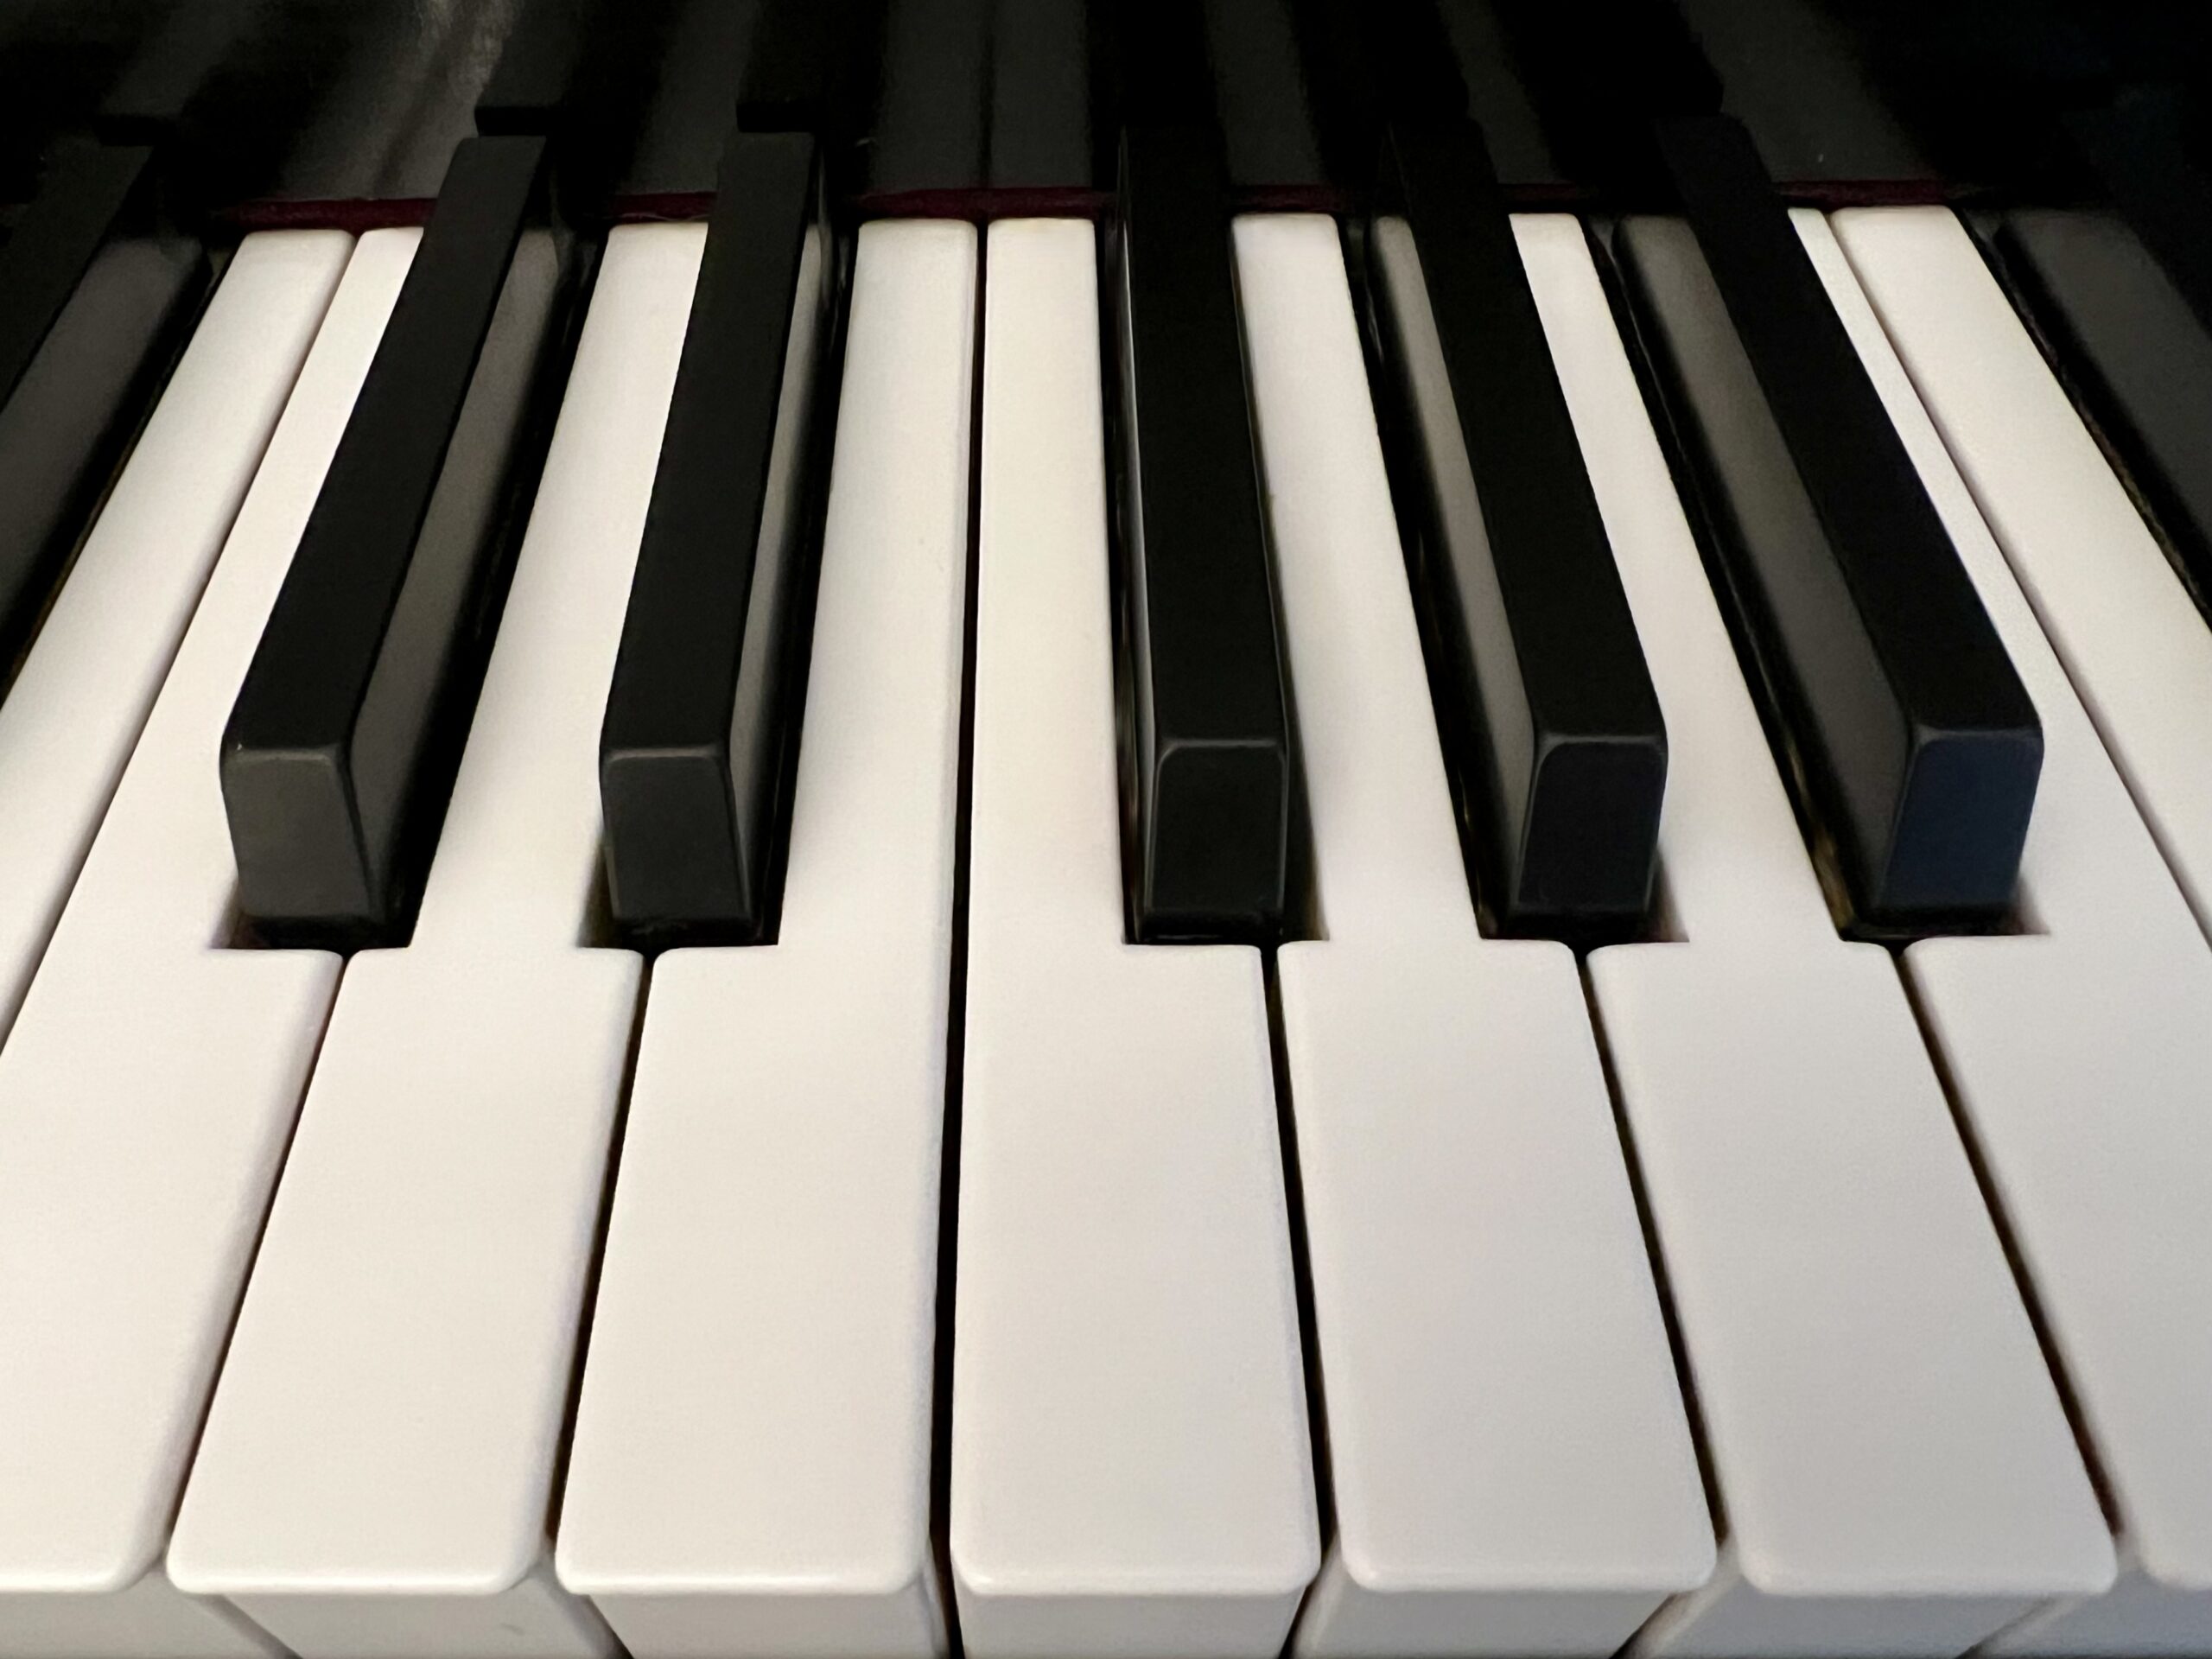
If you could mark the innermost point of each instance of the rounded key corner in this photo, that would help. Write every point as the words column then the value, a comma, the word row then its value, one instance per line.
column 1695, row 1560
column 93, row 1573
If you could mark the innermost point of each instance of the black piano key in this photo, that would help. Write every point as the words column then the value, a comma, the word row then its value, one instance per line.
column 1599, row 72
column 1161, row 75
column 57, row 60
column 538, row 68
column 1917, row 746
column 2137, row 145
column 190, row 48
column 95, row 294
column 1270, row 130
column 645, row 118
column 691, row 753
column 1544, row 687
column 807, row 65
column 932, row 108
column 2135, row 355
column 1210, row 748
column 340, row 748
column 1044, row 124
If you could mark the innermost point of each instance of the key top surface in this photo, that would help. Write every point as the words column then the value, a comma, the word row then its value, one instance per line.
column 750, row 1472
column 1503, row 1482
column 152, row 1079
column 376, row 1471
column 1130, row 1466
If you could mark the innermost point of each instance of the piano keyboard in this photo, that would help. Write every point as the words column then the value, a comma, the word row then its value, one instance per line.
column 961, row 909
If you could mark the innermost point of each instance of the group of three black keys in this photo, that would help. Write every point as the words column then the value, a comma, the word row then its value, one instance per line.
column 1913, row 746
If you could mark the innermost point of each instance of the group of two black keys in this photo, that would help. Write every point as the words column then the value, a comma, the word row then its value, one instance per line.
column 1915, row 745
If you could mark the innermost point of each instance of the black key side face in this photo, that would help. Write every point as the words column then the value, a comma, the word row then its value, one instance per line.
column 698, row 719
column 2133, row 353
column 95, row 299
column 340, row 748
column 1925, row 815
column 1210, row 752
column 1562, row 750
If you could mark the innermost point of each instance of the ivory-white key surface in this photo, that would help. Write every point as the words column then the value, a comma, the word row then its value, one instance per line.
column 751, row 1467
column 377, row 1466
column 147, row 1091
column 1892, row 1457
column 82, row 694
column 1512, row 1470
column 2080, row 1054
column 2134, row 645
column 1131, row 1473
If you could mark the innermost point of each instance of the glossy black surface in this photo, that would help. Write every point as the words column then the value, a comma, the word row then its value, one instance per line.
column 1544, row 699
column 932, row 108
column 1209, row 746
column 810, row 66
column 699, row 719
column 1915, row 747
column 340, row 751
column 682, row 78
column 538, row 66
column 95, row 294
column 1046, row 64
column 1264, row 102
column 2134, row 354
column 58, row 58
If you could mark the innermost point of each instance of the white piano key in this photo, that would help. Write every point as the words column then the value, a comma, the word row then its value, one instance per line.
column 77, row 705
column 146, row 1094
column 1131, row 1473
column 1892, row 1457
column 750, row 1472
column 1512, row 1470
column 2080, row 1054
column 2109, row 601
column 377, row 1466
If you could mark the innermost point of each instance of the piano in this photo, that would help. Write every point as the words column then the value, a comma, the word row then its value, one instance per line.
column 1092, row 827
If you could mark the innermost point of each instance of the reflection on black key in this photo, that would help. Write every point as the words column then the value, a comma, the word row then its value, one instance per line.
column 1543, row 684
column 537, row 66
column 95, row 297
column 1210, row 752
column 691, row 755
column 340, row 749
column 1916, row 744
column 2134, row 352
